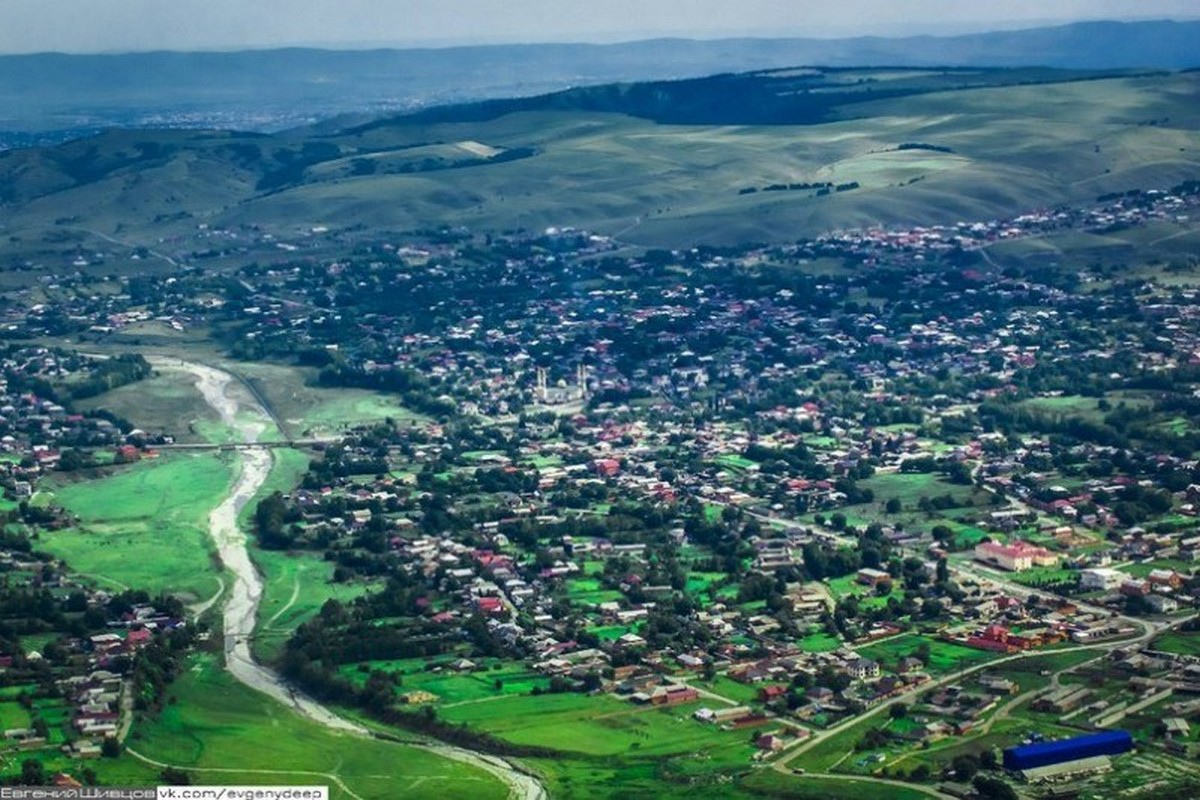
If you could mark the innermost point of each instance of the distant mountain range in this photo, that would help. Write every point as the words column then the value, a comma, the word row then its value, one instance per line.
column 50, row 97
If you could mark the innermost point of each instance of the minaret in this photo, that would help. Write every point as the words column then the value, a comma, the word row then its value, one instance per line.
column 581, row 378
column 541, row 384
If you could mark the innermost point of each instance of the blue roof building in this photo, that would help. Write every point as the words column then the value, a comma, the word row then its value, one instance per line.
column 1044, row 754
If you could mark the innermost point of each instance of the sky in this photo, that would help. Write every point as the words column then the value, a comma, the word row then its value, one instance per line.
column 131, row 25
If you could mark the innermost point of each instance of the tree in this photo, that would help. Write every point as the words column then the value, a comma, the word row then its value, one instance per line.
column 959, row 473
column 993, row 788
column 269, row 518
column 111, row 748
column 965, row 767
column 175, row 777
column 33, row 773
column 893, row 506
column 898, row 711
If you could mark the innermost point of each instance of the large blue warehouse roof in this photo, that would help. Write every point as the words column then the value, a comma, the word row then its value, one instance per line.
column 1043, row 754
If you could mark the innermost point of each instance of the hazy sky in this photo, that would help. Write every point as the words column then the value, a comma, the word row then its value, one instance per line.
column 119, row 25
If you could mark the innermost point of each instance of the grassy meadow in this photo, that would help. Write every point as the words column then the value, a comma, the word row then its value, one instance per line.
column 227, row 733
column 166, row 402
column 295, row 586
column 145, row 525
column 612, row 748
column 943, row 656
column 307, row 410
column 689, row 176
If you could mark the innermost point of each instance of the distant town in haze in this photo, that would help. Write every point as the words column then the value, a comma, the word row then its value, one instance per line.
column 750, row 417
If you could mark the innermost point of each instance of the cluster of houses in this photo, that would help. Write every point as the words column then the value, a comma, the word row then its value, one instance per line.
column 925, row 242
column 33, row 429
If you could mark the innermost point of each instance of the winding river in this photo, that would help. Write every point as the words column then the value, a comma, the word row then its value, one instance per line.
column 248, row 420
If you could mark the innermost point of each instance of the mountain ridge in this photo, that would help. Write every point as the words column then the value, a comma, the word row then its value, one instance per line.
column 287, row 87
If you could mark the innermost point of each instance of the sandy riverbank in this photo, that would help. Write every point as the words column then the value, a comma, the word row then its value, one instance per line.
column 249, row 421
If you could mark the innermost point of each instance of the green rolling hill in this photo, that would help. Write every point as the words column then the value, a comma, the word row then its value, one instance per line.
column 769, row 156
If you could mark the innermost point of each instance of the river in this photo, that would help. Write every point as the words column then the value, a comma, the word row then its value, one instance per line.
column 248, row 420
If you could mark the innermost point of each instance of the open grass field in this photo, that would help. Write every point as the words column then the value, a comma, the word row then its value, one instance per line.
column 295, row 586
column 14, row 715
column 740, row 693
column 217, row 724
column 1141, row 570
column 1184, row 642
column 146, row 524
column 308, row 410
column 769, row 783
column 596, row 726
column 910, row 487
column 496, row 679
column 735, row 462
column 1027, row 671
column 943, row 656
column 614, row 749
column 1067, row 406
column 589, row 591
column 819, row 643
column 867, row 597
column 166, row 402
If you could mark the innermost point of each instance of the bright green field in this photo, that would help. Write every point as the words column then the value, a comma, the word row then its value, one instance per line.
column 146, row 525
column 13, row 715
column 1183, row 642
column 217, row 724
column 740, row 693
column 350, row 407
column 452, row 687
column 590, row 591
column 867, row 599
column 595, row 726
column 943, row 656
column 613, row 749
column 734, row 461
column 819, row 643
column 910, row 487
column 769, row 783
column 295, row 586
